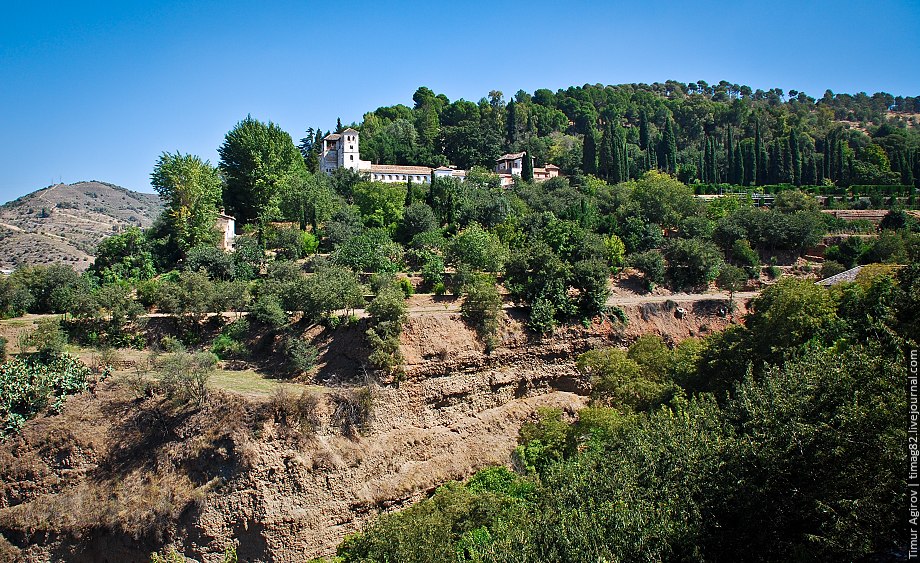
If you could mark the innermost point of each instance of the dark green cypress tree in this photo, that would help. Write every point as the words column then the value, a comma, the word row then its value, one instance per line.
column 409, row 195
column 813, row 170
column 527, row 168
column 643, row 130
column 760, row 166
column 624, row 155
column 589, row 152
column 511, row 123
column 671, row 146
column 730, row 158
column 738, row 166
column 701, row 166
column 338, row 125
column 605, row 154
column 776, row 161
column 796, row 157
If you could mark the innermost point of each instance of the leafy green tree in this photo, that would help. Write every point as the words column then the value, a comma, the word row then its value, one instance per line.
column 381, row 203
column 662, row 199
column 260, row 164
column 616, row 251
column 482, row 306
column 371, row 251
column 731, row 278
column 746, row 257
column 125, row 256
column 692, row 262
column 789, row 314
column 651, row 264
column 417, row 218
column 217, row 264
column 191, row 191
column 619, row 380
column 51, row 288
column 477, row 248
column 329, row 289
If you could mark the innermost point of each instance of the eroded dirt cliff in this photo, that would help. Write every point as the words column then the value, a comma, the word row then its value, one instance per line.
column 115, row 477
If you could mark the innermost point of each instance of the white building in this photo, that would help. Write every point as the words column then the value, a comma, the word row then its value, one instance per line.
column 226, row 225
column 510, row 165
column 342, row 150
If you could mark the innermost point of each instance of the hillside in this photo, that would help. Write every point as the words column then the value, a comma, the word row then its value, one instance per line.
column 63, row 223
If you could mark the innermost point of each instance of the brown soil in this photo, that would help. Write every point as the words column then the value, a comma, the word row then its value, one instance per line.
column 114, row 478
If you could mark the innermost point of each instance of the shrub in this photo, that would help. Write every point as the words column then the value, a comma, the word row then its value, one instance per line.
column 353, row 410
column 621, row 380
column 29, row 384
column 48, row 338
column 746, row 257
column 651, row 264
column 482, row 307
column 433, row 270
column 692, row 262
column 387, row 316
column 542, row 318
column 406, row 286
column 831, row 268
column 267, row 311
column 299, row 355
column 184, row 376
column 296, row 411
column 216, row 263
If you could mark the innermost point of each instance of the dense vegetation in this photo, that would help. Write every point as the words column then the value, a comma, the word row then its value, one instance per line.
column 306, row 239
column 781, row 439
column 711, row 134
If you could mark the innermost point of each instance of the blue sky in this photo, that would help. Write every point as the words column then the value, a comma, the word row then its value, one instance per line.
column 97, row 90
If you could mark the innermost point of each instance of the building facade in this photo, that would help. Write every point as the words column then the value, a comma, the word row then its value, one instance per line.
column 342, row 150
column 512, row 164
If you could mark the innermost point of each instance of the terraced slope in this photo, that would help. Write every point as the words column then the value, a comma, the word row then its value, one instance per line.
column 63, row 223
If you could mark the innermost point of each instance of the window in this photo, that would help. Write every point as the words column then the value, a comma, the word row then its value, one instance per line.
column 351, row 156
column 351, row 147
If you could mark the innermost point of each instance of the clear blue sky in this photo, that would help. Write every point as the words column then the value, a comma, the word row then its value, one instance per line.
column 97, row 90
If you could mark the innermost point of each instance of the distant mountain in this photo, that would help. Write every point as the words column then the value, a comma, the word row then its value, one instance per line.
column 63, row 223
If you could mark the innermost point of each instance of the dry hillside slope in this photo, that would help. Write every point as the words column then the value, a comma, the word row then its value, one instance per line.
column 63, row 223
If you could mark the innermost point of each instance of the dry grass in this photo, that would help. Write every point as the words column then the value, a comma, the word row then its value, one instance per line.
column 118, row 465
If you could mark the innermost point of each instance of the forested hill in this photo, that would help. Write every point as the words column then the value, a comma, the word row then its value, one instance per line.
column 722, row 133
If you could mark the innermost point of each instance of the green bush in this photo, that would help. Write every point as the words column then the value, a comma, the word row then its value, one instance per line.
column 406, row 286
column 183, row 376
column 651, row 264
column 48, row 338
column 387, row 316
column 29, row 384
column 482, row 307
column 830, row 268
column 267, row 311
column 299, row 356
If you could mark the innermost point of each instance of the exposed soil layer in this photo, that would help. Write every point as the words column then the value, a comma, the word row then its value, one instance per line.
column 116, row 477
